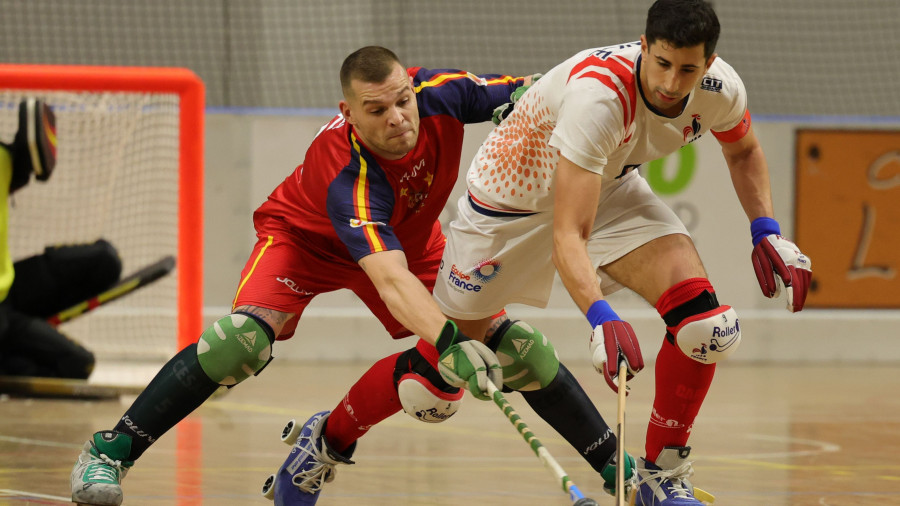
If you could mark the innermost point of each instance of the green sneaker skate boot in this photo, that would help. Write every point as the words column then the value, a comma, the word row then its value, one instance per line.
column 100, row 468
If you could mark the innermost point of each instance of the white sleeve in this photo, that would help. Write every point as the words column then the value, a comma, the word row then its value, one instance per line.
column 734, row 98
column 589, row 124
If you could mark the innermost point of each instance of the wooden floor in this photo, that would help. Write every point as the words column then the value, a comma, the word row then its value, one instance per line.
column 768, row 435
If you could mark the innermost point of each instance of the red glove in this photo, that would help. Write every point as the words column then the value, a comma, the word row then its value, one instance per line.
column 613, row 341
column 776, row 255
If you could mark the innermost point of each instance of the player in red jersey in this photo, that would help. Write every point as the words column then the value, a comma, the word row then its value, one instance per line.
column 361, row 212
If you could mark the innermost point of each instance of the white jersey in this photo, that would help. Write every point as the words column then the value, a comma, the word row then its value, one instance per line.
column 590, row 110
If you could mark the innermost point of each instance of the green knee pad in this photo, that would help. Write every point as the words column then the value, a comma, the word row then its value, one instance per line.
column 234, row 348
column 528, row 359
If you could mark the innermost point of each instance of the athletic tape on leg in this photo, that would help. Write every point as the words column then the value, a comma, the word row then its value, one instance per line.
column 234, row 348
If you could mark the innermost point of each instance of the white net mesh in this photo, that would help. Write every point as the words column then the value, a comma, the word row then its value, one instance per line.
column 116, row 178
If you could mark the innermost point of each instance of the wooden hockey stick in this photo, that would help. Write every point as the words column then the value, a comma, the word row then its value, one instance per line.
column 63, row 388
column 621, row 494
column 568, row 486
column 141, row 278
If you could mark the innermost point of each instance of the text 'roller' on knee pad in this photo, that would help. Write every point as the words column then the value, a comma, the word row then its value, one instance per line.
column 709, row 337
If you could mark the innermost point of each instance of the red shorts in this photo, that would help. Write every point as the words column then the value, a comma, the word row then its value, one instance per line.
column 284, row 273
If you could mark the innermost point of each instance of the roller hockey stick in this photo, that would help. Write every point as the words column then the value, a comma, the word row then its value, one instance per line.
column 61, row 388
column 549, row 462
column 29, row 386
column 622, row 495
column 143, row 277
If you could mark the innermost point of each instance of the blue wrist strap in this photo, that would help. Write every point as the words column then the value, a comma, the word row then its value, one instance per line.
column 600, row 313
column 761, row 227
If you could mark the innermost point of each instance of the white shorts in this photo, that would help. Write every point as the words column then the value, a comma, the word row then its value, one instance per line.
column 492, row 261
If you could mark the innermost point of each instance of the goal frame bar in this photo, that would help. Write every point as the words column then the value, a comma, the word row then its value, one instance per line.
column 190, row 89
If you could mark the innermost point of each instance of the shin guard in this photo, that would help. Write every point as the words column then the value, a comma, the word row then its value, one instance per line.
column 566, row 407
column 179, row 388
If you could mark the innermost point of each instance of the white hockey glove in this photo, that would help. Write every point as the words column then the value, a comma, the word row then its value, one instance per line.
column 466, row 363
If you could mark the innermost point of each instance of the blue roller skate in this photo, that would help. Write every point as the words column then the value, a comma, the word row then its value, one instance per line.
column 665, row 482
column 308, row 467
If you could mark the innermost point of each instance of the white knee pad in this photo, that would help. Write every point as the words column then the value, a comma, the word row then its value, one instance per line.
column 425, row 402
column 709, row 337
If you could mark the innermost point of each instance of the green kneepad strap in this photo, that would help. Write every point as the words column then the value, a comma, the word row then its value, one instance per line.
column 234, row 348
column 528, row 359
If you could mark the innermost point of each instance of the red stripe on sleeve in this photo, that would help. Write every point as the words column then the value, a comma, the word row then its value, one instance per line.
column 737, row 133
column 623, row 70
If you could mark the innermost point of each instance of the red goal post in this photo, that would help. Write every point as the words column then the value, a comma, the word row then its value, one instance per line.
column 81, row 81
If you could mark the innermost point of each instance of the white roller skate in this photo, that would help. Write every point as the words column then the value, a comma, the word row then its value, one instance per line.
column 99, row 470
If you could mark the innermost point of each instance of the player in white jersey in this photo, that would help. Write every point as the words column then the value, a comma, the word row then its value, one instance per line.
column 554, row 185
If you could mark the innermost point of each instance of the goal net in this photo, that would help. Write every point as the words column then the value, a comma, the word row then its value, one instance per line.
column 130, row 170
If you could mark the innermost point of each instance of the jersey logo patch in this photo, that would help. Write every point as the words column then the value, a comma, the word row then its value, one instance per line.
column 477, row 80
column 292, row 285
column 486, row 270
column 356, row 223
column 690, row 132
column 711, row 84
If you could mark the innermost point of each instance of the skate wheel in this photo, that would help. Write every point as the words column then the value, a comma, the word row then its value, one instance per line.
column 268, row 488
column 291, row 432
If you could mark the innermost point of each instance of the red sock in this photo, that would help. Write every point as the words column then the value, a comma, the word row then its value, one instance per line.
column 681, row 386
column 681, row 382
column 370, row 400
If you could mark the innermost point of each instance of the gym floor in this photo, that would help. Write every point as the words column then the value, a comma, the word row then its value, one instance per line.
column 824, row 435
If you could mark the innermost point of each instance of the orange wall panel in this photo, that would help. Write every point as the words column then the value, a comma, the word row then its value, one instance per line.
column 848, row 216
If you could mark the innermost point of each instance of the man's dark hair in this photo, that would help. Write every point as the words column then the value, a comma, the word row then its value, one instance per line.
column 683, row 23
column 370, row 64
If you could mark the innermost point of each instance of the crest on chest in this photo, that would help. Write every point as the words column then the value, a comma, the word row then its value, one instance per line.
column 415, row 184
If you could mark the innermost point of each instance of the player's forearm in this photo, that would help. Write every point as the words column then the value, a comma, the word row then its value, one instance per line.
column 575, row 203
column 404, row 294
column 750, row 177
column 412, row 305
column 575, row 269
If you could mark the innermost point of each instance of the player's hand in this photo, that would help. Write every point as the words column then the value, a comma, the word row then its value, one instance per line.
column 772, row 256
column 501, row 112
column 613, row 341
column 466, row 363
column 778, row 262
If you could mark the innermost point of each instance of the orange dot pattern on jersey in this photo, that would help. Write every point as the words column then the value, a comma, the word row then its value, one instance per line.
column 516, row 157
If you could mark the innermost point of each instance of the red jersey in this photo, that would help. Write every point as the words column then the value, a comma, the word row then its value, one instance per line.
column 347, row 202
